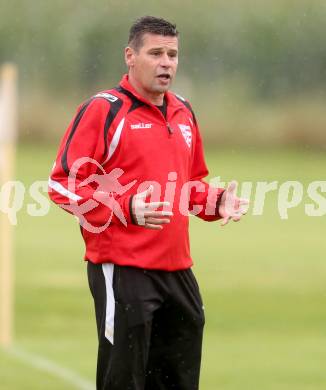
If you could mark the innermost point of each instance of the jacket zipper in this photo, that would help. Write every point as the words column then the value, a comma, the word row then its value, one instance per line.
column 169, row 129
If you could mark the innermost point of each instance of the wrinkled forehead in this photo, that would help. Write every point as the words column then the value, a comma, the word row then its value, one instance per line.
column 151, row 41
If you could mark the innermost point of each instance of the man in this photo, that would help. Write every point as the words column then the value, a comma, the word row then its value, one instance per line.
column 130, row 167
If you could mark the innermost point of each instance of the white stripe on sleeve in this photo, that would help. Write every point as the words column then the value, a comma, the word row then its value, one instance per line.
column 115, row 140
column 63, row 191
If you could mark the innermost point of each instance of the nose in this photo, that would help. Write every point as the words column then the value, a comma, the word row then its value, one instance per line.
column 165, row 61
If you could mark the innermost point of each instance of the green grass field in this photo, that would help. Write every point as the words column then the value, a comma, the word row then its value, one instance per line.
column 263, row 282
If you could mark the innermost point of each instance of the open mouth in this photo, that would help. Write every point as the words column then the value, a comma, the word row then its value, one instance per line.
column 164, row 76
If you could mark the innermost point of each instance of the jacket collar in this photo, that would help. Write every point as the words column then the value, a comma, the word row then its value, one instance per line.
column 171, row 100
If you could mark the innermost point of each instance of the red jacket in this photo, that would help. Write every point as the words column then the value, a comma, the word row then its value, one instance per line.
column 120, row 133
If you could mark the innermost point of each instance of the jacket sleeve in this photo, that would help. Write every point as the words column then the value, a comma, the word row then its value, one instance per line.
column 81, row 152
column 202, row 196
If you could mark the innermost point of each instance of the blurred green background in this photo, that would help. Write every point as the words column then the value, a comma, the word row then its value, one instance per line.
column 254, row 70
column 255, row 74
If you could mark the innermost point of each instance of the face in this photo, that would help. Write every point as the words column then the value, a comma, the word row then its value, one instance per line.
column 153, row 67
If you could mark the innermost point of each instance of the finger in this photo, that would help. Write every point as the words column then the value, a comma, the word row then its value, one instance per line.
column 243, row 201
column 157, row 221
column 158, row 214
column 140, row 220
column 243, row 209
column 225, row 221
column 238, row 214
column 240, row 208
column 232, row 187
column 153, row 227
column 156, row 205
column 229, row 198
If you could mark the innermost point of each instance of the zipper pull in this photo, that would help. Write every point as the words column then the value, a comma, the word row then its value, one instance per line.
column 169, row 128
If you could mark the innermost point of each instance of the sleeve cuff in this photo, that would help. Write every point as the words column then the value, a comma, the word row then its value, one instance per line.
column 132, row 218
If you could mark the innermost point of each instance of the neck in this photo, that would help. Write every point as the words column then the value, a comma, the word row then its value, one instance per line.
column 155, row 98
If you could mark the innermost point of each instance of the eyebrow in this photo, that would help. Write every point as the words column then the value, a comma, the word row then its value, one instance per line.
column 161, row 48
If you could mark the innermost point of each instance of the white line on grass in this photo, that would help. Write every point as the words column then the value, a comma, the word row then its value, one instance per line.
column 50, row 367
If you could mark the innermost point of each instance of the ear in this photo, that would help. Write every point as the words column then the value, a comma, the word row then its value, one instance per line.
column 129, row 56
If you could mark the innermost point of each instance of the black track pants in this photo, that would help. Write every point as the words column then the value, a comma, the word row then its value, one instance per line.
column 150, row 327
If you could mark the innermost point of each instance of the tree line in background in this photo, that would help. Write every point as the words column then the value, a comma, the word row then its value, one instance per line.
column 254, row 67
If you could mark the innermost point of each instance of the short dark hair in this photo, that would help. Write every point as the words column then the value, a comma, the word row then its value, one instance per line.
column 152, row 25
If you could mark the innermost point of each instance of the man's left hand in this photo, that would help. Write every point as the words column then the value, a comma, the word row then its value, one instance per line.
column 232, row 207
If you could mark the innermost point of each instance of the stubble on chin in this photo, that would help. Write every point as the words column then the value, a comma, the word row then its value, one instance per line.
column 161, row 88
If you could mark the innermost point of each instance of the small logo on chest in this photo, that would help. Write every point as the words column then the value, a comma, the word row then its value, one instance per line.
column 141, row 126
column 187, row 134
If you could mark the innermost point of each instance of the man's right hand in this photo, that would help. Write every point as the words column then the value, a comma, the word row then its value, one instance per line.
column 146, row 215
